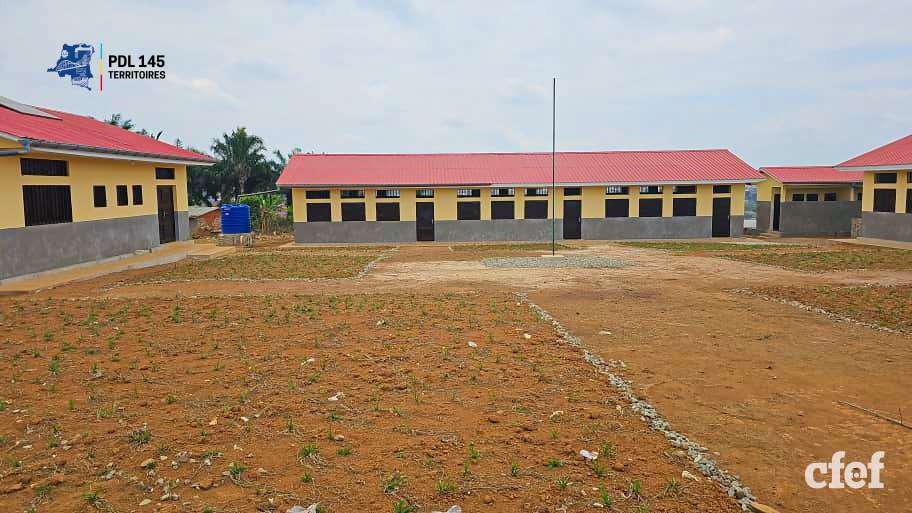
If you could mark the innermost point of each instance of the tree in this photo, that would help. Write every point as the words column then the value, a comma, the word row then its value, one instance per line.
column 127, row 124
column 118, row 120
column 242, row 154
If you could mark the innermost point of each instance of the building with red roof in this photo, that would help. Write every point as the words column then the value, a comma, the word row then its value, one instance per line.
column 509, row 196
column 808, row 200
column 886, row 205
column 74, row 189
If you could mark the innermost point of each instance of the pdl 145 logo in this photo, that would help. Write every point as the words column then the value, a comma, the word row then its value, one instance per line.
column 75, row 63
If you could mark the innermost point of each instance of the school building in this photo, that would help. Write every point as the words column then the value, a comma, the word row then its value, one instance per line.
column 74, row 189
column 455, row 197
column 886, row 204
column 808, row 200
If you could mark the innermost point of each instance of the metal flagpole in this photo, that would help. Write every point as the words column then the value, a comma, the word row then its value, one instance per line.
column 553, row 164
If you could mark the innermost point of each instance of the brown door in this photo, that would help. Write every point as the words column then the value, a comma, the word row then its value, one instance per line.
column 166, row 225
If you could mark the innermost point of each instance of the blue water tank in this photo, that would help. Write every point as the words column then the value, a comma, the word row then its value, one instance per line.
column 235, row 219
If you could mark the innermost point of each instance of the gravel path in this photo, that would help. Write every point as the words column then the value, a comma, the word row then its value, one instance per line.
column 581, row 261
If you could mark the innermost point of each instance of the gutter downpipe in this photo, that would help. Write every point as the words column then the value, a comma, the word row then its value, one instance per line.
column 26, row 149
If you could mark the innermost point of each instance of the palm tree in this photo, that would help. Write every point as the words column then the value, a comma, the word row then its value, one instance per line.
column 241, row 153
column 118, row 120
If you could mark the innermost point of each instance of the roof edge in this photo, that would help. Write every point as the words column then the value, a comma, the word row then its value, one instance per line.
column 102, row 152
column 888, row 167
column 745, row 181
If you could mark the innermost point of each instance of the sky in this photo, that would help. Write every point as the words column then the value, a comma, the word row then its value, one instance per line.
column 777, row 83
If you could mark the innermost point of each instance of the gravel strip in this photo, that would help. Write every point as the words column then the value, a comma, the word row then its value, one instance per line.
column 648, row 413
column 581, row 262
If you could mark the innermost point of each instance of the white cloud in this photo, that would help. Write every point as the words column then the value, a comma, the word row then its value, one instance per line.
column 774, row 81
column 204, row 87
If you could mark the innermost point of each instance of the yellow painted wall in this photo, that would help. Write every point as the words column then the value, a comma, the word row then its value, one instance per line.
column 765, row 189
column 84, row 174
column 737, row 199
column 592, row 197
column 903, row 188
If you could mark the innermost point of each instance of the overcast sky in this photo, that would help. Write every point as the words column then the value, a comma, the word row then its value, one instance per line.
column 776, row 82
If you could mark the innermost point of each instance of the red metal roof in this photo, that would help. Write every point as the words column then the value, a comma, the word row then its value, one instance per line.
column 812, row 174
column 515, row 168
column 896, row 153
column 82, row 133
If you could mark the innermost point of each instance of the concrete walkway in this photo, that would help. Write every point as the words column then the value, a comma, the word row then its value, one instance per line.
column 884, row 243
column 162, row 255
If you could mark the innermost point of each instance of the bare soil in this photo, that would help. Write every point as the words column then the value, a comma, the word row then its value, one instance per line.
column 756, row 381
column 356, row 402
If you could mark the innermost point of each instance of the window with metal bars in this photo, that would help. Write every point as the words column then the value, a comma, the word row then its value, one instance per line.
column 503, row 210
column 47, row 204
column 43, row 167
column 617, row 207
column 100, row 196
column 651, row 207
column 353, row 212
column 122, row 196
column 536, row 209
column 468, row 211
column 387, row 211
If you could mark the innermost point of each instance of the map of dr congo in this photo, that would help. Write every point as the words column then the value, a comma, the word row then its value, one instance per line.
column 74, row 62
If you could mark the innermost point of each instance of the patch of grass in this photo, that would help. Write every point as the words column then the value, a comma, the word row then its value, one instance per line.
column 835, row 260
column 890, row 307
column 445, row 487
column 693, row 247
column 308, row 451
column 554, row 463
column 395, row 481
column 265, row 266
column 403, row 506
column 140, row 436
column 236, row 470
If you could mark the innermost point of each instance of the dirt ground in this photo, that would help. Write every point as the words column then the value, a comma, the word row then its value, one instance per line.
column 756, row 381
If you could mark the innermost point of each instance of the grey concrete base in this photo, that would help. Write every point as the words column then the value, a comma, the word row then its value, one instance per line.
column 829, row 218
column 182, row 220
column 736, row 226
column 883, row 225
column 40, row 248
column 498, row 230
column 355, row 231
column 764, row 216
column 618, row 228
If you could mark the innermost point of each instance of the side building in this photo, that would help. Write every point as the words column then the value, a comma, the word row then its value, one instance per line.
column 886, row 205
column 75, row 190
column 456, row 197
column 808, row 200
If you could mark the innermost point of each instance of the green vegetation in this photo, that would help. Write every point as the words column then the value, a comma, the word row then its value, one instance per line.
column 694, row 247
column 287, row 265
column 888, row 306
column 835, row 260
